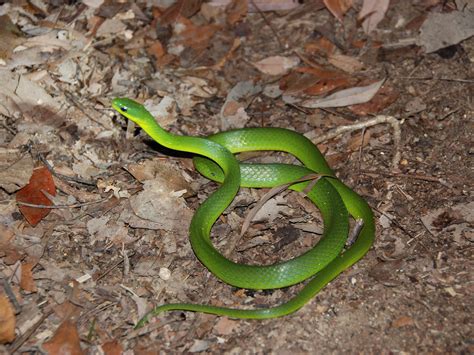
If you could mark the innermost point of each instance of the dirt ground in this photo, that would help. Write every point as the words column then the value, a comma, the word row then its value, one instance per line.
column 119, row 245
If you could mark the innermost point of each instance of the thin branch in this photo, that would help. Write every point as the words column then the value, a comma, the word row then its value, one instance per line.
column 409, row 176
column 76, row 205
column 62, row 176
column 392, row 121
column 268, row 23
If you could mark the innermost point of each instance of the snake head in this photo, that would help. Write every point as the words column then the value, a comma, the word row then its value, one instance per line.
column 133, row 111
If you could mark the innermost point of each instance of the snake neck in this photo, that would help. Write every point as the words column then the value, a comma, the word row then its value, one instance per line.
column 196, row 145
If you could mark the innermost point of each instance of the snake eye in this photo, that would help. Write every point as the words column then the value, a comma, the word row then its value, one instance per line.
column 123, row 108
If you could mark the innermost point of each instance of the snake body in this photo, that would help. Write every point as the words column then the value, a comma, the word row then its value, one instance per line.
column 215, row 160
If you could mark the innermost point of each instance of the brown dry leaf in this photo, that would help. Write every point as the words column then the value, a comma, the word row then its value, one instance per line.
column 372, row 12
column 320, row 72
column 157, row 50
column 233, row 114
column 326, row 86
column 346, row 63
column 236, row 11
column 184, row 8
column 7, row 320
column 67, row 310
column 321, row 46
column 225, row 326
column 338, row 7
column 384, row 98
column 296, row 82
column 403, row 321
column 276, row 65
column 112, row 347
column 313, row 81
column 193, row 36
column 41, row 180
column 6, row 235
column 64, row 341
column 27, row 283
column 347, row 97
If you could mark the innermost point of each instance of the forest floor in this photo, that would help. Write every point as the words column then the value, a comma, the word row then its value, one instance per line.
column 80, row 277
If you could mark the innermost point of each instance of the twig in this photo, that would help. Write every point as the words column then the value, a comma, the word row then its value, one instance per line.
column 11, row 295
column 7, row 127
column 75, row 205
column 369, row 123
column 354, row 233
column 115, row 265
column 467, row 81
column 395, row 222
column 275, row 191
column 409, row 176
column 24, row 337
column 62, row 176
column 81, row 108
column 361, row 147
column 268, row 23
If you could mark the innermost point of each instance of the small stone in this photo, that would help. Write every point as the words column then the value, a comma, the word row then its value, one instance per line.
column 164, row 273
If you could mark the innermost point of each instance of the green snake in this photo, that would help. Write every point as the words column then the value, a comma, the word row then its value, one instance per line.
column 215, row 160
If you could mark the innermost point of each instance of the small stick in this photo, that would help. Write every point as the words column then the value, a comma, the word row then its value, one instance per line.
column 268, row 23
column 467, row 81
column 354, row 233
column 61, row 176
column 369, row 123
column 409, row 176
column 275, row 191
column 11, row 296
column 115, row 265
column 76, row 205
column 24, row 337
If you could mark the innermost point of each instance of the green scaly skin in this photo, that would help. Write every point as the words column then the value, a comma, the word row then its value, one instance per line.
column 216, row 161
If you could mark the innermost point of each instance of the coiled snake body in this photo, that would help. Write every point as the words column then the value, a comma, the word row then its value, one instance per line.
column 215, row 160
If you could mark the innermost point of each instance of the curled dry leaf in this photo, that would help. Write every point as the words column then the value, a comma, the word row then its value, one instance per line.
column 7, row 320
